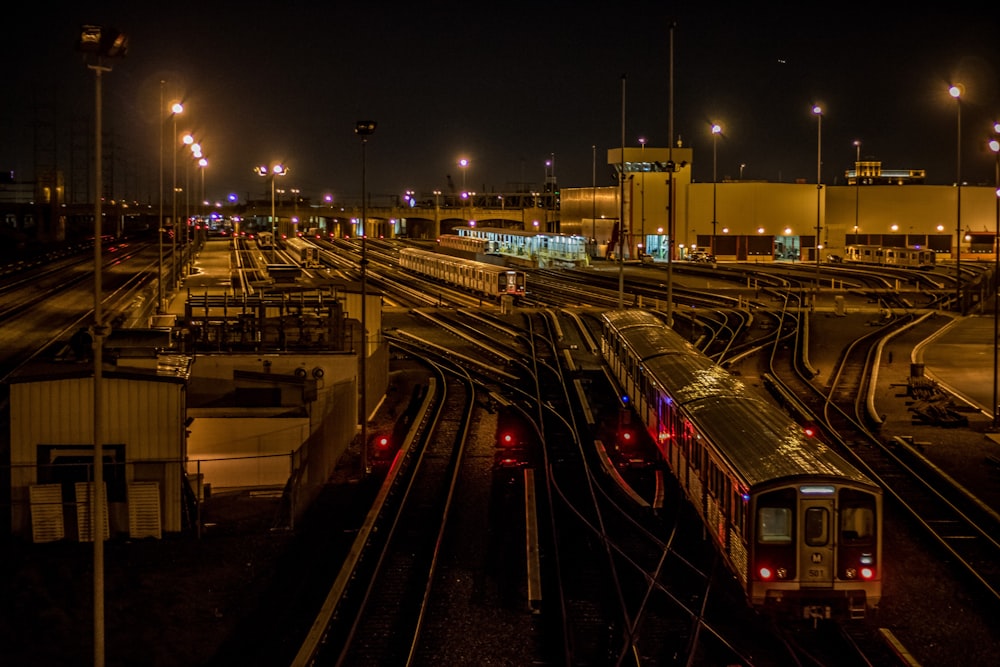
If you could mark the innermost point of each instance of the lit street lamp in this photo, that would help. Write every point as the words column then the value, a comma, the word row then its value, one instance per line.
column 271, row 172
column 716, row 131
column 956, row 92
column 818, row 110
column 102, row 44
column 364, row 129
column 175, row 111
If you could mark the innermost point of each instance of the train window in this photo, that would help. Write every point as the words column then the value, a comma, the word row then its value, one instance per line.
column 817, row 531
column 774, row 525
column 857, row 525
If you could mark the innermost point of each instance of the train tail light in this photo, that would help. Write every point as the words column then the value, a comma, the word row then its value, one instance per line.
column 867, row 573
column 507, row 439
column 382, row 442
column 768, row 573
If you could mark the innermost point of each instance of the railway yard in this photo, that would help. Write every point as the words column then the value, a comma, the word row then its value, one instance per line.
column 469, row 589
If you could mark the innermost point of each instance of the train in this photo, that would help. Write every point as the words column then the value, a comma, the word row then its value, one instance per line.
column 265, row 240
column 305, row 253
column 908, row 257
column 480, row 278
column 798, row 525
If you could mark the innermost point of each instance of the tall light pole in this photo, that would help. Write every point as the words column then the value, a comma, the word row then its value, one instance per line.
column 202, row 163
column 956, row 92
column 995, row 147
column 271, row 172
column 190, row 143
column 102, row 44
column 175, row 111
column 593, row 194
column 716, row 131
column 818, row 110
column 463, row 165
column 857, row 185
column 159, row 229
column 364, row 129
column 642, row 186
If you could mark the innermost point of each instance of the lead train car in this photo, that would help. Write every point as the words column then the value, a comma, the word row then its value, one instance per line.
column 799, row 526
column 479, row 277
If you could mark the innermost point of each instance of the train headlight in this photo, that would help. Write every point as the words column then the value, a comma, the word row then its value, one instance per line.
column 782, row 573
column 851, row 573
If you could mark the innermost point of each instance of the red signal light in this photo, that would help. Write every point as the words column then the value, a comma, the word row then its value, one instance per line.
column 507, row 439
column 382, row 442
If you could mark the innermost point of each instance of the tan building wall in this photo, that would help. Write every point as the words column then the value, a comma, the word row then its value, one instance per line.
column 750, row 208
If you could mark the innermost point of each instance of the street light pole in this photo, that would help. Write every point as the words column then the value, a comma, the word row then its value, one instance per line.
column 102, row 44
column 272, row 172
column 175, row 110
column 819, row 184
column 642, row 186
column 364, row 129
column 593, row 194
column 716, row 131
column 857, row 185
column 956, row 92
column 995, row 147
column 159, row 229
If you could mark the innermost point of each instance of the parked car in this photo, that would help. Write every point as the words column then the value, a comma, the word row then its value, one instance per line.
column 700, row 256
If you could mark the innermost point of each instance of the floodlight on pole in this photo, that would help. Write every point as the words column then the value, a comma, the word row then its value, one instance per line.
column 716, row 131
column 956, row 92
column 364, row 129
column 175, row 110
column 102, row 44
column 818, row 110
column 271, row 172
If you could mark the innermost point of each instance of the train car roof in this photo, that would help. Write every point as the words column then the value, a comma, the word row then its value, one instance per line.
column 451, row 259
column 514, row 232
column 763, row 442
column 769, row 443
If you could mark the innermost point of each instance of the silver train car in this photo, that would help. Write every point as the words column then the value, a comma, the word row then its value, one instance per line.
column 478, row 277
column 909, row 257
column 306, row 254
column 796, row 523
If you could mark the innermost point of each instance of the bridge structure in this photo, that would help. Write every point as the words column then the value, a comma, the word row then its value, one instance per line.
column 427, row 218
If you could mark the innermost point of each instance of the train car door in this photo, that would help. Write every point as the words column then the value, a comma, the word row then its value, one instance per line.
column 816, row 548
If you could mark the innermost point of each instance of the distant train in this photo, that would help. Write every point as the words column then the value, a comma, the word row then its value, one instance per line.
column 909, row 257
column 478, row 277
column 796, row 523
column 265, row 240
column 305, row 253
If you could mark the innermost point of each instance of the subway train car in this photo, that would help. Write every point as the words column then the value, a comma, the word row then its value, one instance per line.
column 911, row 257
column 797, row 524
column 478, row 277
column 306, row 254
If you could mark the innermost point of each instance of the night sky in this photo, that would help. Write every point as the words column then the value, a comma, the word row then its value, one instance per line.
column 507, row 86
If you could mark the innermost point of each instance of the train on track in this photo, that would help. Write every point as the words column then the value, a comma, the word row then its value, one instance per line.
column 478, row 277
column 305, row 253
column 910, row 257
column 796, row 523
column 265, row 240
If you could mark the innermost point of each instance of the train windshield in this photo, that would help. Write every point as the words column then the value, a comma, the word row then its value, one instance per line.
column 774, row 525
column 857, row 519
